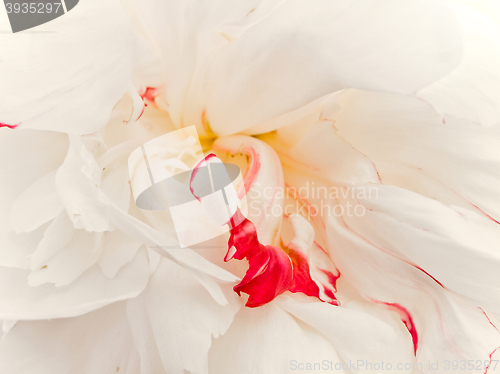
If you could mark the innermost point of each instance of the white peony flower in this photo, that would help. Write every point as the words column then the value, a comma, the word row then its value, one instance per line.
column 366, row 132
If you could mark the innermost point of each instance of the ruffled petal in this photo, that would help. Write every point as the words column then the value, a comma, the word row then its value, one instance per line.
column 300, row 53
column 90, row 291
column 97, row 52
column 181, row 316
column 456, row 162
column 118, row 250
column 314, row 274
column 472, row 90
column 231, row 67
column 442, row 326
column 362, row 337
column 268, row 340
column 37, row 205
column 98, row 342
column 459, row 248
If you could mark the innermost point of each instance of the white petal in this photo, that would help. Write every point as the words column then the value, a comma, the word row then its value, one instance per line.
column 70, row 261
column 84, row 61
column 77, row 183
column 321, row 268
column 24, row 158
column 460, row 156
column 118, row 249
column 58, row 234
column 268, row 340
column 182, row 316
column 38, row 204
column 92, row 290
column 457, row 247
column 472, row 90
column 234, row 66
column 187, row 34
column 98, row 342
column 356, row 334
column 340, row 162
column 444, row 323
column 447, row 327
column 301, row 52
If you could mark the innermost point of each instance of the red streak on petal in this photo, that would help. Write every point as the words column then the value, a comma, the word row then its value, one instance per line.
column 486, row 214
column 332, row 280
column 143, row 108
column 426, row 273
column 406, row 318
column 491, row 358
column 488, row 318
column 496, row 349
column 9, row 126
column 195, row 171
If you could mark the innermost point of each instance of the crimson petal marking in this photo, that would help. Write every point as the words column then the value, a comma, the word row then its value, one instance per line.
column 270, row 270
column 302, row 281
column 203, row 162
column 406, row 318
column 314, row 272
column 9, row 126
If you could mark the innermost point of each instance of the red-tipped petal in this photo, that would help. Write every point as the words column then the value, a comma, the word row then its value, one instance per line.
column 270, row 269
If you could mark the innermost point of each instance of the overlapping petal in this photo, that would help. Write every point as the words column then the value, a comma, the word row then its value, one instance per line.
column 231, row 67
column 181, row 316
column 98, row 342
column 68, row 74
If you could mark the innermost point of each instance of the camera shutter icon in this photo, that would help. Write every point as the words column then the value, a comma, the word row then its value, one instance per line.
column 200, row 194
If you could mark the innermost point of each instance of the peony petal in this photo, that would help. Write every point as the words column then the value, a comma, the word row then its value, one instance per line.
column 104, row 345
column 359, row 335
column 299, row 53
column 182, row 317
column 58, row 234
column 457, row 247
column 97, row 53
column 268, row 340
column 24, row 160
column 90, row 291
column 37, row 205
column 472, row 90
column 77, row 183
column 70, row 261
column 460, row 156
column 118, row 250
column 187, row 34
column 312, row 268
column 443, row 326
column 230, row 66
